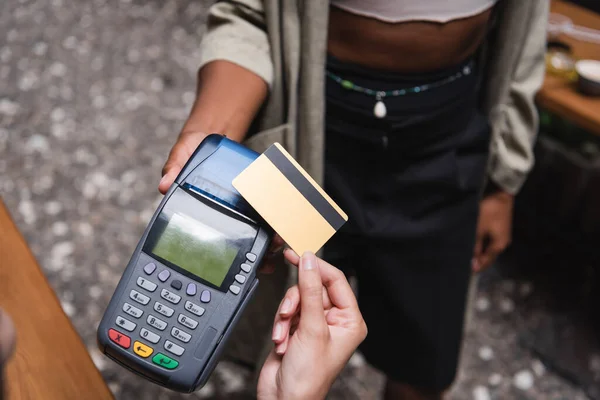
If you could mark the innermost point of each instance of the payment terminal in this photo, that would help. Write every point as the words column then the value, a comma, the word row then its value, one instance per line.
column 192, row 273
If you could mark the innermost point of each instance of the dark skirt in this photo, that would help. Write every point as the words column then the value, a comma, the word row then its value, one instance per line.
column 411, row 185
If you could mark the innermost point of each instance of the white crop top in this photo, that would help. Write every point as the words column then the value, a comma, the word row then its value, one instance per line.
column 440, row 11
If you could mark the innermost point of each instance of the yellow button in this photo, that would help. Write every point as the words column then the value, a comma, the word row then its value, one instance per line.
column 142, row 350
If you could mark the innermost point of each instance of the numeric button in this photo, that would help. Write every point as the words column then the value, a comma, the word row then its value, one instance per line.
column 131, row 310
column 173, row 348
column 140, row 298
column 187, row 321
column 170, row 296
column 164, row 310
column 125, row 324
column 146, row 284
column 149, row 336
column 194, row 308
column 181, row 335
column 155, row 322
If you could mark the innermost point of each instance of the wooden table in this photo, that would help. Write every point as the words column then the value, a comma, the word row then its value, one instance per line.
column 557, row 94
column 51, row 361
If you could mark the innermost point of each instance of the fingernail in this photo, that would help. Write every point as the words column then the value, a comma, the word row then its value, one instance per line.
column 285, row 307
column 474, row 264
column 277, row 331
column 309, row 261
column 163, row 179
column 280, row 349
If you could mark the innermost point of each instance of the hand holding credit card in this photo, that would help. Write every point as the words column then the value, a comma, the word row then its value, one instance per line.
column 289, row 200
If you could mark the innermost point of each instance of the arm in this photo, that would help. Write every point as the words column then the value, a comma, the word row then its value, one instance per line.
column 516, row 120
column 317, row 328
column 515, row 125
column 233, row 80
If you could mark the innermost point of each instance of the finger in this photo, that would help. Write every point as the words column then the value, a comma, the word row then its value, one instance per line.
column 291, row 301
column 178, row 156
column 479, row 250
column 488, row 257
column 337, row 287
column 288, row 308
column 276, row 244
column 281, row 348
column 291, row 256
column 290, row 305
column 281, row 329
column 312, row 319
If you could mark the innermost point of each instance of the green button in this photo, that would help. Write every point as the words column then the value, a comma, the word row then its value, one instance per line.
column 164, row 361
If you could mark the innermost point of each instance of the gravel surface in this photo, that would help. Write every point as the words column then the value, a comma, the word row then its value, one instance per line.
column 92, row 95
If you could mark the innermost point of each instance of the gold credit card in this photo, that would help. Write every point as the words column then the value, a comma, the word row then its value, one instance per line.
column 289, row 200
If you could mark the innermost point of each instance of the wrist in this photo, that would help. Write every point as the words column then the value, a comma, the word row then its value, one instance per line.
column 493, row 189
column 227, row 101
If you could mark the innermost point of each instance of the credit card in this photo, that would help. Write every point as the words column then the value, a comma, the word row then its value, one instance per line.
column 289, row 200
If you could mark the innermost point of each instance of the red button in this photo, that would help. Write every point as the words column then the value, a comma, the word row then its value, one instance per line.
column 119, row 338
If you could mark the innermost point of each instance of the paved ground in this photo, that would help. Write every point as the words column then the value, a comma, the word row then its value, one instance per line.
column 92, row 94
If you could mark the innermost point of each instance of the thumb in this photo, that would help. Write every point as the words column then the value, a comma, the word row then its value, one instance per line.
column 312, row 316
column 179, row 155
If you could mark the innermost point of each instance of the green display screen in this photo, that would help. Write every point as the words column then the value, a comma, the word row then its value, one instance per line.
column 196, row 247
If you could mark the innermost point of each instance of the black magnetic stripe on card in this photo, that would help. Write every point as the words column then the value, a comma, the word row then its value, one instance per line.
column 310, row 193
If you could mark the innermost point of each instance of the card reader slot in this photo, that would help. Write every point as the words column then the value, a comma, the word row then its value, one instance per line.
column 204, row 196
column 118, row 357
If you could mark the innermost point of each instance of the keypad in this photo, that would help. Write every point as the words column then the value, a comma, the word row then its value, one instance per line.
column 146, row 284
column 150, row 268
column 140, row 298
column 155, row 322
column 164, row 275
column 181, row 335
column 170, row 296
column 151, row 326
column 164, row 310
column 131, row 310
column 149, row 336
column 251, row 257
column 246, row 268
column 173, row 348
column 126, row 324
column 194, row 308
column 205, row 296
column 187, row 321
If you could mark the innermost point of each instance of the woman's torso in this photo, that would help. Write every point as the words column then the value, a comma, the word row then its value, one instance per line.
column 408, row 46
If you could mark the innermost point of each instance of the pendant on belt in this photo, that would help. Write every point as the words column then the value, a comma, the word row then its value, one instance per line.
column 380, row 110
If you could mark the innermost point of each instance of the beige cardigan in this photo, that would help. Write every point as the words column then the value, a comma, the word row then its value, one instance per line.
column 284, row 42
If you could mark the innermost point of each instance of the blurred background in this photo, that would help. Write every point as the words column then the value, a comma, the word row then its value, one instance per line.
column 92, row 96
